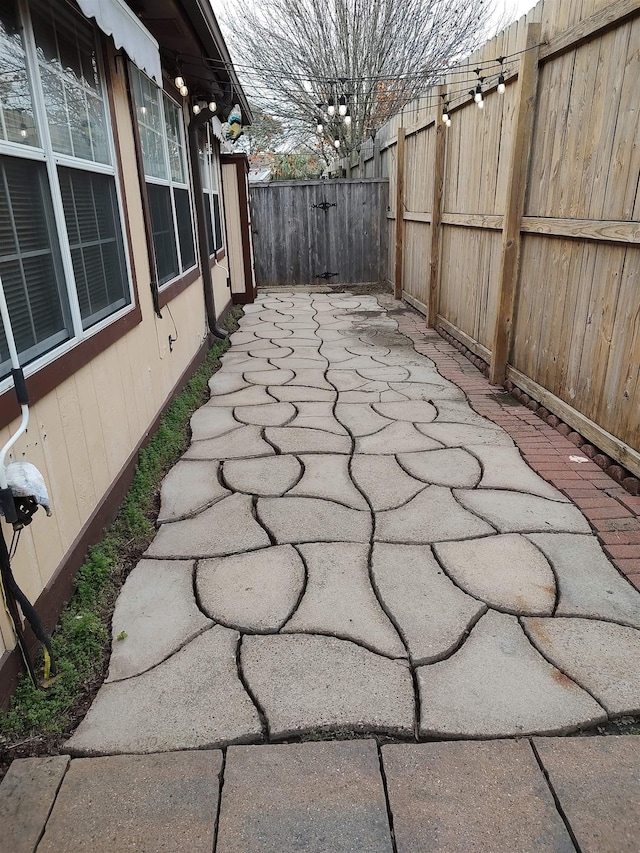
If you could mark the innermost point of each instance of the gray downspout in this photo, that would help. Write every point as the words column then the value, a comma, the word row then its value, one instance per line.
column 203, row 242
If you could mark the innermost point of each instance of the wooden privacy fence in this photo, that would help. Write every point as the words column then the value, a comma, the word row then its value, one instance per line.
column 320, row 232
column 519, row 229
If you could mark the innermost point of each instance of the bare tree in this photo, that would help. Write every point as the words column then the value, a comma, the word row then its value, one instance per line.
column 294, row 55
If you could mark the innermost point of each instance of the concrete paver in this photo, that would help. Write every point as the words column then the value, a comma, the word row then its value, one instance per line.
column 504, row 468
column 312, row 520
column 136, row 803
column 189, row 488
column 497, row 685
column 472, row 797
column 313, row 683
column 314, row 797
column 383, row 481
column 153, row 589
column 27, row 795
column 268, row 476
column 597, row 782
column 602, row 657
column 454, row 468
column 327, row 476
column 506, row 571
column 192, row 700
column 253, row 592
column 432, row 614
column 513, row 512
column 339, row 600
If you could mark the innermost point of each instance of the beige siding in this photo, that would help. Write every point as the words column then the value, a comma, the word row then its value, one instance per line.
column 234, row 230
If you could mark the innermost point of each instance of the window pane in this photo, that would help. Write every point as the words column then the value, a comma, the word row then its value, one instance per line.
column 185, row 228
column 217, row 222
column 208, row 222
column 95, row 239
column 150, row 124
column 164, row 240
column 174, row 138
column 73, row 98
column 16, row 111
column 29, row 262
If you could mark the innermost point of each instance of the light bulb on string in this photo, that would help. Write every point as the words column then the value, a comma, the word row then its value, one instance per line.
column 501, row 84
column 448, row 122
column 23, row 130
column 342, row 108
column 184, row 91
column 347, row 117
column 336, row 143
column 196, row 109
column 213, row 106
column 480, row 105
column 179, row 81
column 331, row 106
column 319, row 125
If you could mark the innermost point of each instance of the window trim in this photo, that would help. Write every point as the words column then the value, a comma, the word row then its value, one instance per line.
column 45, row 374
column 185, row 277
column 52, row 160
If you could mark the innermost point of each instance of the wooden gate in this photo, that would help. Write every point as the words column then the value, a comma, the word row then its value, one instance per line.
column 320, row 232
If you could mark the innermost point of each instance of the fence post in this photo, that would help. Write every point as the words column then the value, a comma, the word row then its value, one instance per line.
column 397, row 277
column 516, row 190
column 436, row 214
column 377, row 171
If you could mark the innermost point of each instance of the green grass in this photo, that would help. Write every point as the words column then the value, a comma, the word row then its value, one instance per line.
column 81, row 640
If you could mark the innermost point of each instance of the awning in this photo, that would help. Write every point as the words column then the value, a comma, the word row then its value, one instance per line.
column 117, row 20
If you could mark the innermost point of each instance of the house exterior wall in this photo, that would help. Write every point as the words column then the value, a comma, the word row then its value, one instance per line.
column 82, row 434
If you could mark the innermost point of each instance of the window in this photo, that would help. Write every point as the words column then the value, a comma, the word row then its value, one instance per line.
column 165, row 167
column 62, row 257
column 209, row 174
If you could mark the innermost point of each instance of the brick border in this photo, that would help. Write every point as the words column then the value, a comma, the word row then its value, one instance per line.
column 613, row 513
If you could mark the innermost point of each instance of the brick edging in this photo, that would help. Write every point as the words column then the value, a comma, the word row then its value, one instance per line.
column 613, row 513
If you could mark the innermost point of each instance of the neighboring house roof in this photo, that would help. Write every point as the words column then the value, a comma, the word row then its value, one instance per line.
column 192, row 44
column 259, row 176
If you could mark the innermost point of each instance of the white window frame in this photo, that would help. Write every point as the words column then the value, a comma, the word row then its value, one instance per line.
column 215, row 183
column 170, row 182
column 45, row 154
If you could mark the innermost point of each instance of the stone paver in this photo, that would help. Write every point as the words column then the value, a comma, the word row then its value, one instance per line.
column 339, row 600
column 597, row 781
column 136, row 803
column 152, row 590
column 471, row 797
column 602, row 657
column 504, row 468
column 226, row 528
column 358, row 533
column 506, row 571
column 269, row 476
column 257, row 591
column 27, row 795
column 316, row 797
column 327, row 476
column 383, row 481
column 189, row 488
column 311, row 683
column 431, row 613
column 513, row 511
column 311, row 520
column 497, row 685
column 589, row 584
column 432, row 516
column 193, row 700
column 455, row 468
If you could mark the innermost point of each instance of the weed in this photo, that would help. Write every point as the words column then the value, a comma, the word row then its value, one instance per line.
column 81, row 640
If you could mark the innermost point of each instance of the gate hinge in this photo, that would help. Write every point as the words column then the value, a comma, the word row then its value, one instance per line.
column 326, row 275
column 324, row 205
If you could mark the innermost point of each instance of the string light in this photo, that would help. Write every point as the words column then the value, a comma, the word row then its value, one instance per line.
column 336, row 143
column 184, row 91
column 179, row 82
column 331, row 106
column 23, row 130
column 347, row 117
column 213, row 106
column 501, row 84
column 320, row 126
column 196, row 109
column 342, row 109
